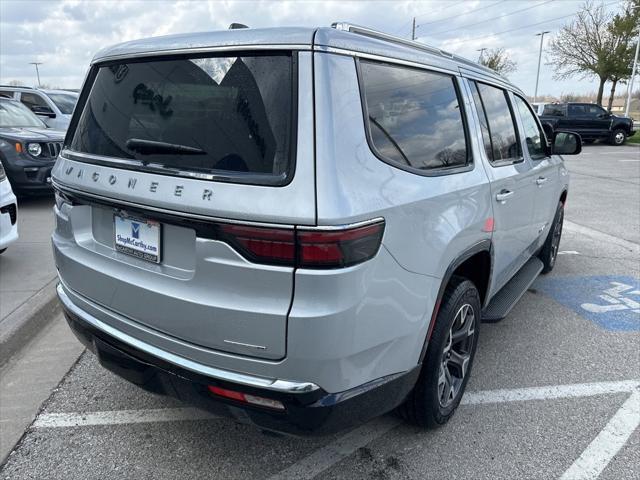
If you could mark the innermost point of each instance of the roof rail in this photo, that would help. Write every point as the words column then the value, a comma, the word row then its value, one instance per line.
column 369, row 32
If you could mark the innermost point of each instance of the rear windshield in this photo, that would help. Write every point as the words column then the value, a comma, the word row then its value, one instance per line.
column 222, row 116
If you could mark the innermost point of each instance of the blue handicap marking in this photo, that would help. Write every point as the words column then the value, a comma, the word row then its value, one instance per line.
column 612, row 302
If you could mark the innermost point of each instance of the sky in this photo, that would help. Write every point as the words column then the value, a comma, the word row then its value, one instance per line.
column 65, row 34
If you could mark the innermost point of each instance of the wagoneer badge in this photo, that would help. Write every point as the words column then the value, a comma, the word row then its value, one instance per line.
column 132, row 182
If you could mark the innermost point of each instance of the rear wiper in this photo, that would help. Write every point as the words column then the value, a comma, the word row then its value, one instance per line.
column 149, row 147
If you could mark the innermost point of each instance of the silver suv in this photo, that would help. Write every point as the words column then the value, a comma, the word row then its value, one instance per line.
column 53, row 107
column 301, row 228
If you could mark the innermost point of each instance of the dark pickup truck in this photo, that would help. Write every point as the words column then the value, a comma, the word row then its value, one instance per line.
column 591, row 121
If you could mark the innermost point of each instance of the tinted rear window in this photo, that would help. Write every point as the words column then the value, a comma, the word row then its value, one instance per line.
column 414, row 117
column 224, row 116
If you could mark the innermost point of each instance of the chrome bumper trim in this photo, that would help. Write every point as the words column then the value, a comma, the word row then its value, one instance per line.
column 284, row 386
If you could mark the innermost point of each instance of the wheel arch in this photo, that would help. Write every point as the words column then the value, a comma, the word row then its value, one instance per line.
column 476, row 264
column 563, row 196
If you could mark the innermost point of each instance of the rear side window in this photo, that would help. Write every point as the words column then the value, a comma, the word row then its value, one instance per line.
column 577, row 110
column 413, row 117
column 228, row 118
column 499, row 131
column 554, row 110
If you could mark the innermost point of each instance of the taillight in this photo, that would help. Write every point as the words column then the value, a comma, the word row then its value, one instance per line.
column 260, row 244
column 305, row 248
column 338, row 248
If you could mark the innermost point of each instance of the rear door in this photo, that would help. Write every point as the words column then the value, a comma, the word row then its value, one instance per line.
column 597, row 120
column 512, row 182
column 216, row 152
column 545, row 168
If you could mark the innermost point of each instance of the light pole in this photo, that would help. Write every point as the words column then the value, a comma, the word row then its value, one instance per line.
column 481, row 50
column 633, row 76
column 37, row 71
column 413, row 30
column 541, row 35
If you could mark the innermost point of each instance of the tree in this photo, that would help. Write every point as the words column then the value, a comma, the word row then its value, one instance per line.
column 581, row 48
column 15, row 83
column 622, row 30
column 498, row 59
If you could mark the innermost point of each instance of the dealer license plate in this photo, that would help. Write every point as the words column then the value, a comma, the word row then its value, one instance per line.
column 137, row 237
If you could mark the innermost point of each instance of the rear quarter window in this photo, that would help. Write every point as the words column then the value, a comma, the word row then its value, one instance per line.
column 228, row 118
column 413, row 117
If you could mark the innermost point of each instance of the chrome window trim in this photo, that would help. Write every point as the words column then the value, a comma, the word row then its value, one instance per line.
column 385, row 59
column 197, row 50
column 277, row 385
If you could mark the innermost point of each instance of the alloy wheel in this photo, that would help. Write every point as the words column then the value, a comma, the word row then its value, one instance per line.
column 456, row 355
column 555, row 239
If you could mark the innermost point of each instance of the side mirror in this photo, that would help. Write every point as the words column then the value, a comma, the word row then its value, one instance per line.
column 567, row 143
column 43, row 111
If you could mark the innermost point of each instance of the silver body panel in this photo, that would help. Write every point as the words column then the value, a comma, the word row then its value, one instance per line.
column 335, row 329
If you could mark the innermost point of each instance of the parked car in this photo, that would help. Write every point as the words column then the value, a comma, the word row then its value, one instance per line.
column 300, row 228
column 538, row 107
column 591, row 121
column 53, row 107
column 8, row 213
column 28, row 149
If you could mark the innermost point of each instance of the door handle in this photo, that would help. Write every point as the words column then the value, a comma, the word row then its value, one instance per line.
column 541, row 181
column 503, row 195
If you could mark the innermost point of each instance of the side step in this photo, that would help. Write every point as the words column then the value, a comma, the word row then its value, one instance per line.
column 503, row 301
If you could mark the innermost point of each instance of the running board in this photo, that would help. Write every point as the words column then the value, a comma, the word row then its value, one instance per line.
column 503, row 301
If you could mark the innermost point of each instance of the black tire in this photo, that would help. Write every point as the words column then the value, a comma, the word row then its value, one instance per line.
column 424, row 405
column 549, row 252
column 618, row 137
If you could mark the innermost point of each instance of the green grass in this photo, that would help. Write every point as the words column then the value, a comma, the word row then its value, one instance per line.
column 634, row 139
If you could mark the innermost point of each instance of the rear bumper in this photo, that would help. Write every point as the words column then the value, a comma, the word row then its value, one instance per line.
column 308, row 409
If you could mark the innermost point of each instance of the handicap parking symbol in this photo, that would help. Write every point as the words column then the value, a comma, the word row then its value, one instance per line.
column 612, row 302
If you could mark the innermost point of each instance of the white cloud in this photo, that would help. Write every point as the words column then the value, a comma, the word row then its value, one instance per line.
column 65, row 34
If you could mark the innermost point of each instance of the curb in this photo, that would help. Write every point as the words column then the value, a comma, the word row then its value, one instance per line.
column 21, row 325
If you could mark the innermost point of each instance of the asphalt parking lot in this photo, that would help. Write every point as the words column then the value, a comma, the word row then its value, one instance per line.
column 555, row 389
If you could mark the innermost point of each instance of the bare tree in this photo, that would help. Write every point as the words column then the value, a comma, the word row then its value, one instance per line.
column 582, row 48
column 15, row 83
column 498, row 59
column 622, row 30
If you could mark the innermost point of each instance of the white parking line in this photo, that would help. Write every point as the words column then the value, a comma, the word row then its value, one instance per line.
column 597, row 455
column 329, row 455
column 551, row 392
column 601, row 236
column 607, row 443
column 119, row 417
